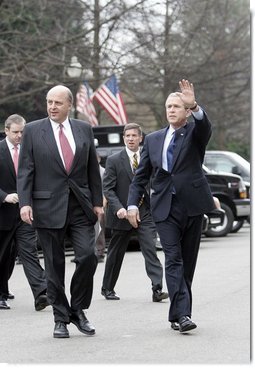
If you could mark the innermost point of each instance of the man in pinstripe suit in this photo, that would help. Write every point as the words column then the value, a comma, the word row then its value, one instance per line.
column 56, row 198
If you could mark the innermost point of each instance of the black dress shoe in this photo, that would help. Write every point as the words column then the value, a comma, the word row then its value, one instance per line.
column 185, row 324
column 10, row 296
column 79, row 319
column 175, row 326
column 41, row 302
column 4, row 304
column 109, row 294
column 158, row 296
column 60, row 330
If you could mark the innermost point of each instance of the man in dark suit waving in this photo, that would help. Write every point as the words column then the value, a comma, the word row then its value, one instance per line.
column 180, row 196
column 59, row 188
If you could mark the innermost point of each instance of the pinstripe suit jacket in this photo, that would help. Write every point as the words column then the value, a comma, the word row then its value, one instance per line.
column 43, row 182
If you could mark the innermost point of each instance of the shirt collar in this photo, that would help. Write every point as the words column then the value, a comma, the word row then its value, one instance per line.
column 55, row 125
column 131, row 153
column 10, row 145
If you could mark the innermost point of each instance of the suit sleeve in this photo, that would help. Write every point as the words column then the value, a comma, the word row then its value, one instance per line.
column 26, row 169
column 203, row 130
column 110, row 186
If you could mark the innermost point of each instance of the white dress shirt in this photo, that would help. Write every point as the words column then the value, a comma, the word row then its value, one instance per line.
column 68, row 133
column 198, row 115
column 131, row 156
column 11, row 147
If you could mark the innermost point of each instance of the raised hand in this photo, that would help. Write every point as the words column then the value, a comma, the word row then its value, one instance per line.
column 187, row 94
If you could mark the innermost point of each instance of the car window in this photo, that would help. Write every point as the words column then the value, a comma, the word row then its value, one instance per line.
column 228, row 164
column 219, row 163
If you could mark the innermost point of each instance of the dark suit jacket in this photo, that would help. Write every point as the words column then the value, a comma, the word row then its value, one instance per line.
column 9, row 213
column 186, row 176
column 42, row 180
column 116, row 180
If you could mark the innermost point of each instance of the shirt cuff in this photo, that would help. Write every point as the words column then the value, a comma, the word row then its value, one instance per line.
column 132, row 207
column 198, row 114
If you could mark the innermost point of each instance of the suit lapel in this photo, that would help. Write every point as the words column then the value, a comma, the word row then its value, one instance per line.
column 49, row 139
column 78, row 142
column 126, row 164
column 159, row 145
column 7, row 155
column 179, row 137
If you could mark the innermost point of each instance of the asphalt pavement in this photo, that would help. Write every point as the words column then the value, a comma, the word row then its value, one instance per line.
column 134, row 330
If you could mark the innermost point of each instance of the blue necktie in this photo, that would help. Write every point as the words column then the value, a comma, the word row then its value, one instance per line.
column 170, row 151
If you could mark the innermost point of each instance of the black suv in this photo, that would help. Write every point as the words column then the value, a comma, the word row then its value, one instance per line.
column 231, row 191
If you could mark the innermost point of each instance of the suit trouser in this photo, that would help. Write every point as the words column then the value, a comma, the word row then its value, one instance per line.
column 22, row 240
column 180, row 239
column 118, row 245
column 7, row 253
column 82, row 236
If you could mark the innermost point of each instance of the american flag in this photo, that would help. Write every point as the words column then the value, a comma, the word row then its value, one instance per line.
column 85, row 105
column 109, row 97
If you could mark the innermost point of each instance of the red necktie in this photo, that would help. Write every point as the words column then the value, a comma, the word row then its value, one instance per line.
column 16, row 158
column 66, row 149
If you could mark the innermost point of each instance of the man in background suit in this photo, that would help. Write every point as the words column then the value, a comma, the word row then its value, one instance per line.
column 180, row 195
column 118, row 175
column 15, row 235
column 60, row 190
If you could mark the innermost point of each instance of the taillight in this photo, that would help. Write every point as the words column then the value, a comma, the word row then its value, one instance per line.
column 240, row 186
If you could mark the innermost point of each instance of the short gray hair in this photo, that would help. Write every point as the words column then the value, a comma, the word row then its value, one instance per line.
column 14, row 119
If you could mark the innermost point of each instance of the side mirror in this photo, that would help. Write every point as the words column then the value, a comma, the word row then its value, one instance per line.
column 236, row 170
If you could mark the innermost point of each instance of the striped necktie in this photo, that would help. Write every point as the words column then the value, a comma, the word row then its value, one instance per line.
column 135, row 162
column 135, row 166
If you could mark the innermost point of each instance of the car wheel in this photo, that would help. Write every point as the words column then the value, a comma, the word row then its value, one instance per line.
column 237, row 225
column 227, row 225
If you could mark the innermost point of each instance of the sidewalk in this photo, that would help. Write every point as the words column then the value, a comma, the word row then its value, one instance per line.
column 136, row 331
